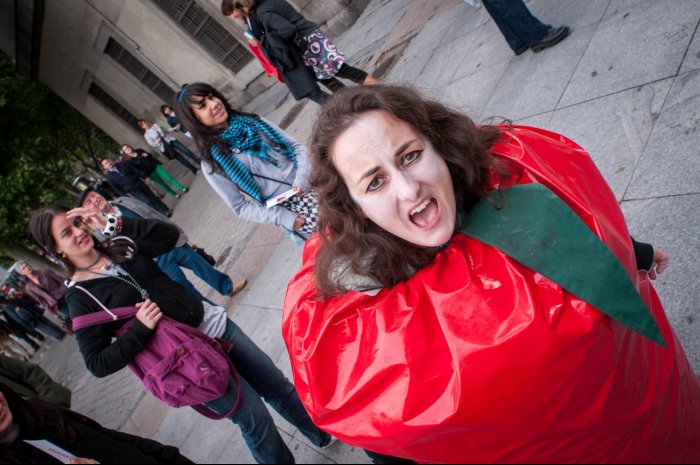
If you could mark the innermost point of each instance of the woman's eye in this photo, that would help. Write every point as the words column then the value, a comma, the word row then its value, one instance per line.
column 410, row 158
column 375, row 184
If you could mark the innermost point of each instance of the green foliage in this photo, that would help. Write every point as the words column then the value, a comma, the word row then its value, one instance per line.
column 44, row 144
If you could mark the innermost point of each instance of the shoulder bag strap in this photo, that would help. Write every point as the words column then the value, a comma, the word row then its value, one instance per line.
column 98, row 318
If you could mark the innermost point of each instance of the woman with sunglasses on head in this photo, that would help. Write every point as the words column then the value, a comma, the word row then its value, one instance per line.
column 474, row 295
column 250, row 162
column 120, row 272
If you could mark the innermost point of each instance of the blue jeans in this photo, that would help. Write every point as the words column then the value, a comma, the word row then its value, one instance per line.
column 178, row 146
column 261, row 379
column 186, row 257
column 517, row 24
column 47, row 327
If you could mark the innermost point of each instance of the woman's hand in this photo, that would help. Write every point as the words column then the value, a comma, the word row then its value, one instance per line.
column 659, row 264
column 254, row 42
column 149, row 314
column 299, row 191
column 299, row 222
column 92, row 218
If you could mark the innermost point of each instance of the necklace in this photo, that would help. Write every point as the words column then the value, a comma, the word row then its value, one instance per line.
column 128, row 280
column 91, row 266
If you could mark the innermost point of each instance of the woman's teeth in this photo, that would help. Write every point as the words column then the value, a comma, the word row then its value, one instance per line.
column 421, row 207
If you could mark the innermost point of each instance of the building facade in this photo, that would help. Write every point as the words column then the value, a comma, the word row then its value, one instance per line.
column 119, row 60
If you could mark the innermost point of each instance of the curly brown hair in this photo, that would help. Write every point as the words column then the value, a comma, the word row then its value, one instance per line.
column 351, row 240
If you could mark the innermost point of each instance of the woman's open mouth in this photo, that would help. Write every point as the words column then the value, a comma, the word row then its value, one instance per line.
column 426, row 214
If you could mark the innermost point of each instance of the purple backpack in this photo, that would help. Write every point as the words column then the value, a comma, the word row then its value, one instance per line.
column 179, row 365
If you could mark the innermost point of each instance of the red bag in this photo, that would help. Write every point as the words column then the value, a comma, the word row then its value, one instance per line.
column 267, row 66
column 477, row 358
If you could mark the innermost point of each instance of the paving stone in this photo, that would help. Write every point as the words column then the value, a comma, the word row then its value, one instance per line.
column 614, row 129
column 672, row 223
column 671, row 161
column 633, row 45
column 535, row 82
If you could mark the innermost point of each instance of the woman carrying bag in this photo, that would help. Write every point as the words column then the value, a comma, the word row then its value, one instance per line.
column 295, row 46
column 120, row 274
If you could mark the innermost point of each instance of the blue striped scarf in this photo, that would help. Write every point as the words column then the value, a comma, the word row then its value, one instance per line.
column 245, row 135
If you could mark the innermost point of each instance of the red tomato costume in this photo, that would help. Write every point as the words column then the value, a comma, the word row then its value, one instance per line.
column 477, row 358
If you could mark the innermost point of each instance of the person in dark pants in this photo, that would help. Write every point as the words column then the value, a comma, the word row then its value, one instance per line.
column 26, row 313
column 126, row 179
column 297, row 47
column 521, row 29
column 170, row 147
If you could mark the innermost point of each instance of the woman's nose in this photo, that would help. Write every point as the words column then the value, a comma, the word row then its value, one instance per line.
column 407, row 188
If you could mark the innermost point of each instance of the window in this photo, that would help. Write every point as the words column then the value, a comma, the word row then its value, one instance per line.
column 107, row 100
column 209, row 33
column 130, row 63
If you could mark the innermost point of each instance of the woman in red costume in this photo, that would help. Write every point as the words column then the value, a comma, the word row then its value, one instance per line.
column 477, row 297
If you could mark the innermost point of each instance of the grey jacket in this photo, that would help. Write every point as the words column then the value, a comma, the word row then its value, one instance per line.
column 286, row 176
column 144, row 211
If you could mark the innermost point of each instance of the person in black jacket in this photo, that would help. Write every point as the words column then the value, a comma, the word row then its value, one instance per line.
column 121, row 272
column 85, row 439
column 126, row 179
column 297, row 47
column 150, row 165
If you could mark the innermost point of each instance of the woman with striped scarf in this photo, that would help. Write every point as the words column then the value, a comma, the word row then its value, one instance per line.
column 250, row 162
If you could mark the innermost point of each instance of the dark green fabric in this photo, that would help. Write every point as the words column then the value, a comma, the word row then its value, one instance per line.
column 30, row 380
column 532, row 225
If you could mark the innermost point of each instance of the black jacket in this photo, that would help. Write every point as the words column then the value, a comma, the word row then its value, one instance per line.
column 281, row 29
column 125, row 178
column 98, row 443
column 144, row 162
column 102, row 356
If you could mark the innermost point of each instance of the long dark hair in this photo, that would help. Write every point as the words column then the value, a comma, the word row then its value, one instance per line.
column 204, row 136
column 118, row 249
column 348, row 237
column 227, row 6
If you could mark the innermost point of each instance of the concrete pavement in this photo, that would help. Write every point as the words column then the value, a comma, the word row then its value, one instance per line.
column 625, row 85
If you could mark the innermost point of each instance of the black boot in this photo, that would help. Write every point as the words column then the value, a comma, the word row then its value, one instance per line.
column 554, row 36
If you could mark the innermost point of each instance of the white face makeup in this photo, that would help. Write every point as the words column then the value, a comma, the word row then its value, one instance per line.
column 397, row 179
column 210, row 111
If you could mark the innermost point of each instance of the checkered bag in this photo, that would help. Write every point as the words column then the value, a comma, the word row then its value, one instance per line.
column 308, row 205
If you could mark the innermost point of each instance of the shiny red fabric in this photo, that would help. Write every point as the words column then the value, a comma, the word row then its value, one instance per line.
column 269, row 68
column 477, row 358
